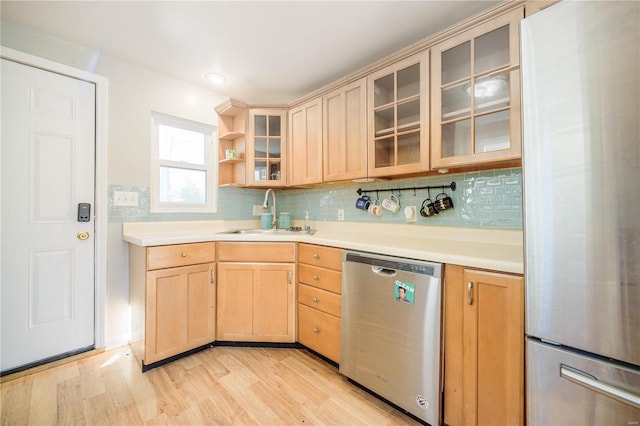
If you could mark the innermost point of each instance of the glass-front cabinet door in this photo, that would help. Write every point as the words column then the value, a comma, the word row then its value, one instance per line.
column 476, row 95
column 266, row 150
column 398, row 117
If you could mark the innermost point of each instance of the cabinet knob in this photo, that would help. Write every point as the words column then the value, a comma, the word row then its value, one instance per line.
column 316, row 278
column 316, row 300
column 184, row 254
column 316, row 256
column 316, row 330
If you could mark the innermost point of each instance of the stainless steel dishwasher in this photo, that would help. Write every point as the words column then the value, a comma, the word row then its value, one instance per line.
column 391, row 330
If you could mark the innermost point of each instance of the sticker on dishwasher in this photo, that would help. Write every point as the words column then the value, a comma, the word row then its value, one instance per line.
column 422, row 402
column 405, row 292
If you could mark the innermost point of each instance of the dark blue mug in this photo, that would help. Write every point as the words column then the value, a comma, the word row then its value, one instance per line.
column 363, row 202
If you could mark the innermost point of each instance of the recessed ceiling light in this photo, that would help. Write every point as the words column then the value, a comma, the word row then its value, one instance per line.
column 216, row 78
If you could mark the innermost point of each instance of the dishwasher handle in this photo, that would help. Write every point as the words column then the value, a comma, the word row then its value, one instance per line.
column 381, row 270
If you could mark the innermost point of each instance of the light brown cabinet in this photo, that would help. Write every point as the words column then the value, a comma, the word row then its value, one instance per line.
column 398, row 111
column 232, row 120
column 266, row 160
column 319, row 290
column 475, row 95
column 535, row 6
column 305, row 143
column 173, row 299
column 484, row 347
column 256, row 292
column 344, row 136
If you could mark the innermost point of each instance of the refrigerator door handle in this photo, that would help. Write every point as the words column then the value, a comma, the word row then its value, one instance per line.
column 594, row 385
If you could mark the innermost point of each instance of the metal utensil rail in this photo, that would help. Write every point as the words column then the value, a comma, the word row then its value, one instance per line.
column 451, row 186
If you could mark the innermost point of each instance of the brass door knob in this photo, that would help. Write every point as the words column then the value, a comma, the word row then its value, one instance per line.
column 82, row 235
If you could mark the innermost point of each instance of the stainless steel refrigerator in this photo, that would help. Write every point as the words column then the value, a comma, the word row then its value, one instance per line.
column 581, row 166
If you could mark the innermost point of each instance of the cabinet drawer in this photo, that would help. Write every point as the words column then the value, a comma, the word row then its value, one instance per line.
column 322, row 300
column 256, row 252
column 319, row 331
column 160, row 257
column 325, row 279
column 327, row 257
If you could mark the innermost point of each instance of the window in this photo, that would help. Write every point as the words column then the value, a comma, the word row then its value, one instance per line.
column 183, row 176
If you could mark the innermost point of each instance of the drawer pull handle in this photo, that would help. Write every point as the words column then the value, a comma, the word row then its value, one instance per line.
column 470, row 293
column 316, row 278
column 316, row 300
column 316, row 256
column 184, row 254
column 316, row 330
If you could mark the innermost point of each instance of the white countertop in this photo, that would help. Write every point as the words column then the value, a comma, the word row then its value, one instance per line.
column 495, row 249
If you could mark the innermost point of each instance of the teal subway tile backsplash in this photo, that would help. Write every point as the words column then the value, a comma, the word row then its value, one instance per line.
column 488, row 199
column 233, row 204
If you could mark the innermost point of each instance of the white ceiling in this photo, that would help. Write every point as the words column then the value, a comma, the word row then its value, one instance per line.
column 271, row 51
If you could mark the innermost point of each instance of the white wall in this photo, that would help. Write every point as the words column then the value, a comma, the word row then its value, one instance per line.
column 134, row 92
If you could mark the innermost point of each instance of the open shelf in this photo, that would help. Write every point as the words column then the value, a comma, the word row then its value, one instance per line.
column 231, row 160
column 230, row 136
column 231, row 185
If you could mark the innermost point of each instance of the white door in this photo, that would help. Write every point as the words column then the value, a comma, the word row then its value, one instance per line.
column 48, row 165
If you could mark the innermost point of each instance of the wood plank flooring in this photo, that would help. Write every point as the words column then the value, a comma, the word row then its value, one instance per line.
column 218, row 386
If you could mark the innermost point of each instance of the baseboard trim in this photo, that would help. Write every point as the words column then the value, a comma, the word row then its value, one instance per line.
column 6, row 377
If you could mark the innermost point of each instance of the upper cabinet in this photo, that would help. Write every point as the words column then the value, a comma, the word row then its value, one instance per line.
column 454, row 104
column 475, row 95
column 232, row 121
column 344, row 135
column 398, row 117
column 266, row 148
column 536, row 6
column 305, row 143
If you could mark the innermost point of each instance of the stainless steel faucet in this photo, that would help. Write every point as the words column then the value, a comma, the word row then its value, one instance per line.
column 274, row 221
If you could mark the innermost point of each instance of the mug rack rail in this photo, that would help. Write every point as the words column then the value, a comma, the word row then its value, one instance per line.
column 451, row 186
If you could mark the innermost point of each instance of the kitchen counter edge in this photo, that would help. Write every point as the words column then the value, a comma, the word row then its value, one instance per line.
column 498, row 250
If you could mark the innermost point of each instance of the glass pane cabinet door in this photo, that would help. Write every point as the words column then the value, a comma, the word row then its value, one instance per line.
column 267, row 149
column 397, row 125
column 473, row 110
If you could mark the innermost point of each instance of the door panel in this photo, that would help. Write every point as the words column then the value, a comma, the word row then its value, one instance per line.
column 48, row 304
column 46, row 206
column 48, row 160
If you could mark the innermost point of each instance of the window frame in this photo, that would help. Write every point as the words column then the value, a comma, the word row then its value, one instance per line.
column 210, row 161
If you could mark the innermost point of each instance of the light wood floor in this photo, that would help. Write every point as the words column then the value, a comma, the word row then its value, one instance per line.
column 218, row 386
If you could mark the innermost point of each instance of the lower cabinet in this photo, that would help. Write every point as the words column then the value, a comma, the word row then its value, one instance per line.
column 484, row 347
column 173, row 299
column 319, row 289
column 256, row 292
column 181, row 306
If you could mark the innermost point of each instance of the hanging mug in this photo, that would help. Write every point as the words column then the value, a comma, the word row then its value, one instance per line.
column 392, row 203
column 443, row 202
column 428, row 208
column 375, row 208
column 363, row 202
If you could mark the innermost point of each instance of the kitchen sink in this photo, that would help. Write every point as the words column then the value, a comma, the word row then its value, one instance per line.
column 267, row 231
